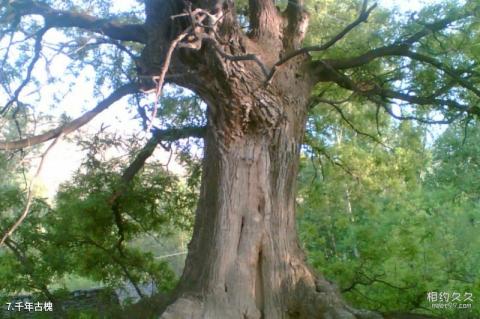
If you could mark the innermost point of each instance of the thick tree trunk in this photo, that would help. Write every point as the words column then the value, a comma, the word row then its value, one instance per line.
column 244, row 258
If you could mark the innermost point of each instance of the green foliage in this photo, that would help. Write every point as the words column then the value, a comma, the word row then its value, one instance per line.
column 80, row 235
column 390, row 224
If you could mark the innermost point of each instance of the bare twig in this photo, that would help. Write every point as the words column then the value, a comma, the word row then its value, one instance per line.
column 160, row 79
column 29, row 194
column 344, row 117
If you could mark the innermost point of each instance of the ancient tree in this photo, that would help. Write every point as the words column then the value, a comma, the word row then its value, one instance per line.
column 256, row 76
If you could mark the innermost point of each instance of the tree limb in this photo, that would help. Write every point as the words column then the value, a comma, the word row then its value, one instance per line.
column 36, row 56
column 66, row 19
column 422, row 100
column 454, row 74
column 400, row 47
column 362, row 17
column 264, row 18
column 335, row 105
column 73, row 125
column 138, row 163
column 168, row 135
column 298, row 19
column 418, row 119
column 373, row 90
column 386, row 51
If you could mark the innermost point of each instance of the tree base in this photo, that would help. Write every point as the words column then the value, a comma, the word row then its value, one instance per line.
column 324, row 302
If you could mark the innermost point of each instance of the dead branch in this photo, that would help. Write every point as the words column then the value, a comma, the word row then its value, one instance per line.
column 197, row 17
column 160, row 79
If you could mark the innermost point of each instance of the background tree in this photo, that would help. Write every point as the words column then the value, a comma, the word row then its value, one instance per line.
column 256, row 76
column 394, row 231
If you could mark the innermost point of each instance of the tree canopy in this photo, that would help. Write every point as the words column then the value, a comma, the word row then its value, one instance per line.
column 383, row 103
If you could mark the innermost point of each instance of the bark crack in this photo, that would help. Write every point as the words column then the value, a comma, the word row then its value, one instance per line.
column 242, row 225
column 259, row 299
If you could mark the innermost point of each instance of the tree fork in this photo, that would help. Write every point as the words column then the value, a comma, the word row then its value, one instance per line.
column 244, row 259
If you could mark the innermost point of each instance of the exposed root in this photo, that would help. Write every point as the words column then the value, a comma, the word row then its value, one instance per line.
column 183, row 308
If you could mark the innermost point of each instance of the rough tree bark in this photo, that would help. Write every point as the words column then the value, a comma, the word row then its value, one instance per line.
column 244, row 259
